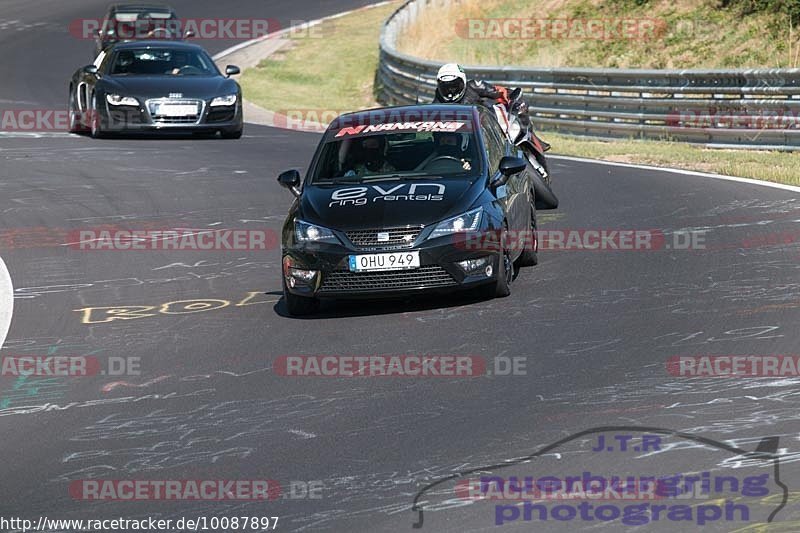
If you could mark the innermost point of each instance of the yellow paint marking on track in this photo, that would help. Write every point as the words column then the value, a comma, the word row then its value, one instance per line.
column 104, row 314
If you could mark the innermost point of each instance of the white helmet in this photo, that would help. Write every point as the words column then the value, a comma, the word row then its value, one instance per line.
column 451, row 82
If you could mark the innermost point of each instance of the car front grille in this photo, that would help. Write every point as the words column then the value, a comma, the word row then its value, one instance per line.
column 187, row 118
column 384, row 238
column 430, row 276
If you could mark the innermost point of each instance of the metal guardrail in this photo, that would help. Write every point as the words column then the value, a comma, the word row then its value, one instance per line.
column 754, row 108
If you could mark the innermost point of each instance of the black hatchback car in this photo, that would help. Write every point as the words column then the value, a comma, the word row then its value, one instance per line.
column 405, row 200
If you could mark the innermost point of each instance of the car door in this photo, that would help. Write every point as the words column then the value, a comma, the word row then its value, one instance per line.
column 515, row 189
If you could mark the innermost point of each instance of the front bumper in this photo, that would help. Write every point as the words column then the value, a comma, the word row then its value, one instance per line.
column 438, row 272
column 141, row 118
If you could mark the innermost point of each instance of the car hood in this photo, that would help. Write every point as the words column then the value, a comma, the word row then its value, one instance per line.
column 389, row 203
column 162, row 86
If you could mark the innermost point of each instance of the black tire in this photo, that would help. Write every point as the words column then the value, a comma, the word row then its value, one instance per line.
column 95, row 120
column 236, row 134
column 299, row 305
column 505, row 273
column 530, row 257
column 75, row 119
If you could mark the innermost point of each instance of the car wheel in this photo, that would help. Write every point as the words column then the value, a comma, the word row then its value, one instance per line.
column 75, row 124
column 96, row 123
column 530, row 257
column 505, row 273
column 299, row 305
column 235, row 134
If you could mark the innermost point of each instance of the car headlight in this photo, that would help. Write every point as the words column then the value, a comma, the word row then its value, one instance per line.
column 306, row 232
column 116, row 99
column 229, row 99
column 469, row 221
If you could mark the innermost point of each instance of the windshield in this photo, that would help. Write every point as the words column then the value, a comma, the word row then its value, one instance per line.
column 162, row 62
column 144, row 25
column 132, row 16
column 398, row 155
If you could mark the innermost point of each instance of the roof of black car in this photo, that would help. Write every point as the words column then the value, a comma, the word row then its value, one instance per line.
column 157, row 43
column 140, row 8
column 404, row 113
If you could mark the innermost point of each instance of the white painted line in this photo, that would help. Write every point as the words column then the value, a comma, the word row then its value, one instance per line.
column 751, row 181
column 6, row 301
column 37, row 134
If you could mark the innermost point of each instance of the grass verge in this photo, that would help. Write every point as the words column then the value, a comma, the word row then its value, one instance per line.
column 334, row 71
column 337, row 73
column 664, row 34
column 778, row 167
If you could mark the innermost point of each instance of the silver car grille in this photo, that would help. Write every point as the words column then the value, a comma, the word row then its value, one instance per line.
column 155, row 105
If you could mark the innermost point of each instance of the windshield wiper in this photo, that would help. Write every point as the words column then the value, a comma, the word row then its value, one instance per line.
column 410, row 175
column 339, row 181
column 376, row 177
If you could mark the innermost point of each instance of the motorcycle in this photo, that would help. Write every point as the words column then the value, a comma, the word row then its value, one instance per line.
column 507, row 110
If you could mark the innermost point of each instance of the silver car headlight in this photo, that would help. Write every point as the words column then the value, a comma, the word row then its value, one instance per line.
column 306, row 232
column 226, row 100
column 469, row 221
column 117, row 99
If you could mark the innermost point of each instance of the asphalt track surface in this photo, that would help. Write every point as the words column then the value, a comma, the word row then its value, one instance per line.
column 595, row 327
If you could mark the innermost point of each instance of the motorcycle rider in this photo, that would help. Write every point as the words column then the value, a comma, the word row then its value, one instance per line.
column 452, row 87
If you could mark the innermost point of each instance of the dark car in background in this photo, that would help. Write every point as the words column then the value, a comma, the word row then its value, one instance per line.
column 127, row 22
column 393, row 197
column 155, row 86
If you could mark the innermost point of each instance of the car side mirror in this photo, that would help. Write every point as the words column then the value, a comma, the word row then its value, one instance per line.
column 90, row 69
column 291, row 180
column 188, row 34
column 232, row 70
column 511, row 165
